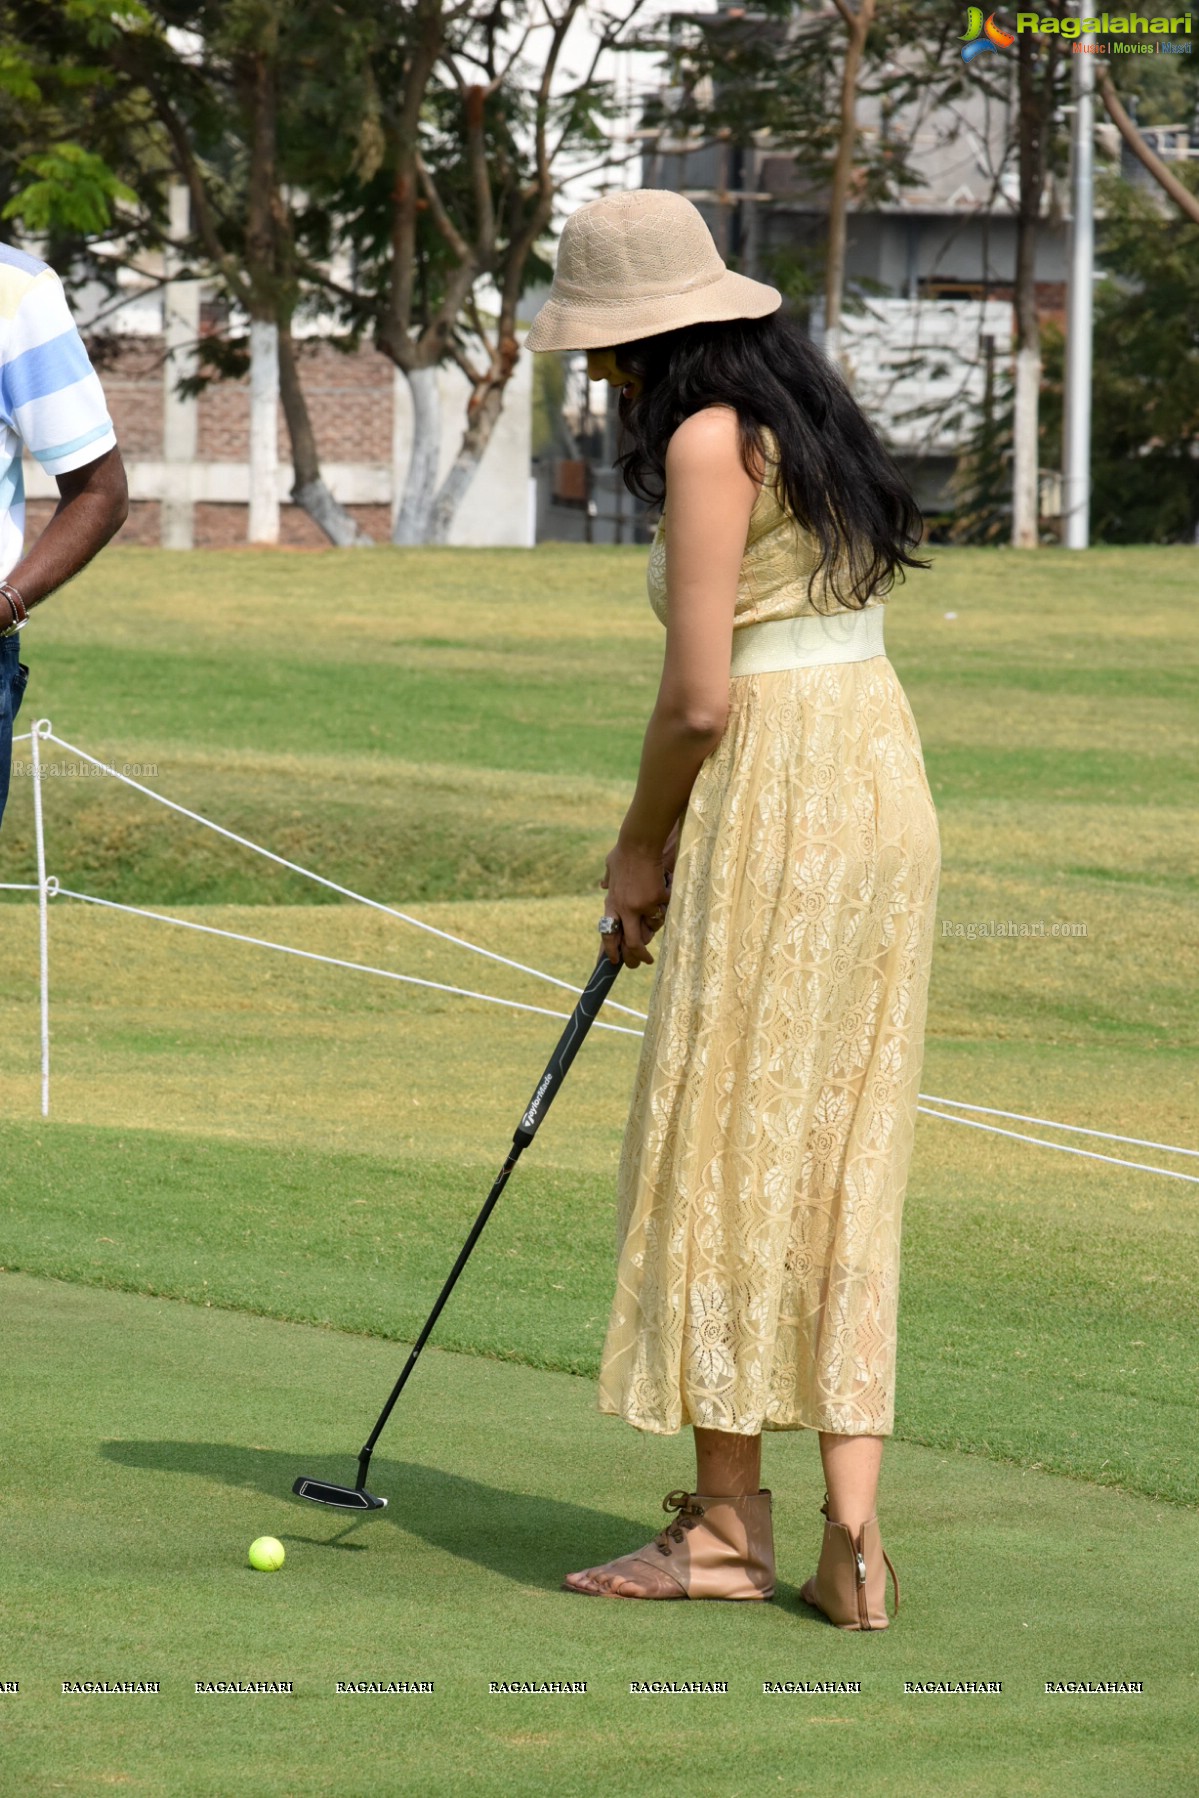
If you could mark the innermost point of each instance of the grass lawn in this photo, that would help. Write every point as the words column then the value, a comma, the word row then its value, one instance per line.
column 135, row 1492
column 257, row 1172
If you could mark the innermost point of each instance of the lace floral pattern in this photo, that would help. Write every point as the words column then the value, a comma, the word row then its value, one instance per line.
column 765, row 1158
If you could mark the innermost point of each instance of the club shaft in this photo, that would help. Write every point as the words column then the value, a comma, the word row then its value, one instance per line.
column 590, row 1000
column 476, row 1231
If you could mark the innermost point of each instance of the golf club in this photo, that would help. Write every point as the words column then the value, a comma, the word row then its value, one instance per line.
column 357, row 1498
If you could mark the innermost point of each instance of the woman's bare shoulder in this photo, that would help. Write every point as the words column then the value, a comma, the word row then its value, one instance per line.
column 708, row 440
column 710, row 426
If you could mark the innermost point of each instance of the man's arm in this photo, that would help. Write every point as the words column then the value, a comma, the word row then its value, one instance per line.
column 93, row 506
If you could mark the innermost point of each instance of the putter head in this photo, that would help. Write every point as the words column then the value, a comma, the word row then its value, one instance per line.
column 345, row 1498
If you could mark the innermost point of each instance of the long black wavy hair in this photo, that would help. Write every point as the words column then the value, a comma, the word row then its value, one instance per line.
column 839, row 481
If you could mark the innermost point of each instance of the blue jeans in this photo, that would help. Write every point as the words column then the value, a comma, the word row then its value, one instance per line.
column 13, row 675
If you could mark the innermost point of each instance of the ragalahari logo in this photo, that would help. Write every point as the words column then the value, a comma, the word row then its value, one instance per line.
column 981, row 34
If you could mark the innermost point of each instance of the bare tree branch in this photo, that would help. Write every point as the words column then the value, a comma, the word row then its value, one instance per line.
column 1181, row 196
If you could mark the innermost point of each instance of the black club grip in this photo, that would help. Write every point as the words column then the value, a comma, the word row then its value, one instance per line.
column 590, row 1000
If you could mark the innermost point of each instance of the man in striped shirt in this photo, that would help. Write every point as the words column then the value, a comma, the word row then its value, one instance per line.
column 52, row 405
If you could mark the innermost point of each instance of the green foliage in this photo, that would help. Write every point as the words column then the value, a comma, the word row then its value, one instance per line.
column 982, row 480
column 73, row 190
column 79, row 155
column 797, row 270
column 16, row 77
column 1145, row 386
column 549, row 394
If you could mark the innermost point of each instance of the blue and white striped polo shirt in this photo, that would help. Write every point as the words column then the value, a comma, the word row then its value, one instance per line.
column 51, row 401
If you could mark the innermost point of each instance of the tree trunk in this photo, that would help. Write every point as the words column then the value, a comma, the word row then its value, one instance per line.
column 309, row 491
column 426, row 516
column 465, row 465
column 1025, row 465
column 181, row 333
column 414, row 511
column 834, row 286
column 264, row 431
column 1031, row 135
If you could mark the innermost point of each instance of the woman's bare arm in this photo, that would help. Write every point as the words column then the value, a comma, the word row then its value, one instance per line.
column 711, row 498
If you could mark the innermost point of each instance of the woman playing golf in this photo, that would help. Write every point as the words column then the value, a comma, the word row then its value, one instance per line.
column 782, row 811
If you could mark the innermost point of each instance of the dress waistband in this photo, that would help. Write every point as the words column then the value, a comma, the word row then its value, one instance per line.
column 808, row 641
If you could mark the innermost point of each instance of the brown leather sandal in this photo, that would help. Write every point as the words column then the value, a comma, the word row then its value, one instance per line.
column 850, row 1583
column 714, row 1548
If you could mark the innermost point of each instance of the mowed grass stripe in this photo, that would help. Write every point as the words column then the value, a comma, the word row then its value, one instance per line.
column 1045, row 695
column 1099, row 1388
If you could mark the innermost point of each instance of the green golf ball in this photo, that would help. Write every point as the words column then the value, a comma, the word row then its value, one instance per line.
column 266, row 1554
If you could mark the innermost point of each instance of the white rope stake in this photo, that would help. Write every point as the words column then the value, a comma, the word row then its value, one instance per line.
column 332, row 885
column 1066, row 1148
column 333, row 961
column 1021, row 1117
column 42, row 728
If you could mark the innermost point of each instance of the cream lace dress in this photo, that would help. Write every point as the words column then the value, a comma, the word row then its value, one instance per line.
column 765, row 1158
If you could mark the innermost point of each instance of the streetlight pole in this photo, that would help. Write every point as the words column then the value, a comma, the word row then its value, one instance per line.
column 1076, row 484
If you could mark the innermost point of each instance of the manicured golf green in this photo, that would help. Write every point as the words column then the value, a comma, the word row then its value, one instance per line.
column 134, row 1492
column 258, row 1170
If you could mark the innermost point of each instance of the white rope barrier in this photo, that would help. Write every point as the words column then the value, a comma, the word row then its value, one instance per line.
column 50, row 888
column 308, row 874
column 333, row 961
column 1140, row 1142
column 43, row 936
column 137, row 911
column 1065, row 1147
column 18, row 886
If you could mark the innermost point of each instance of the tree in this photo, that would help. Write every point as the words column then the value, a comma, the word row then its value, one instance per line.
column 1165, row 178
column 105, row 104
column 70, row 141
column 240, row 118
column 803, row 78
column 469, row 132
column 858, row 25
column 795, row 78
column 1145, row 398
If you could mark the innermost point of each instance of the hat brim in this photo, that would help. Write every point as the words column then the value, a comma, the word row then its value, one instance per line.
column 594, row 325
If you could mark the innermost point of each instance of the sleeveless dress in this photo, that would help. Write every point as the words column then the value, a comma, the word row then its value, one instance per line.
column 765, row 1158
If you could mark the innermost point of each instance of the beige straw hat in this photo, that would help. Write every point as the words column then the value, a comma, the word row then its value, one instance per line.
column 634, row 264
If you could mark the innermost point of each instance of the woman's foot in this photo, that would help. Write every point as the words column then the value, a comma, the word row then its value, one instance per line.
column 627, row 1577
column 715, row 1548
column 850, row 1583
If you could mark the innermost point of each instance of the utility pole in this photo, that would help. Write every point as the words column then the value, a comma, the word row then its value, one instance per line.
column 1076, row 462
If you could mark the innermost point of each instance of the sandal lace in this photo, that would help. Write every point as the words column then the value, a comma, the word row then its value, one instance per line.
column 688, row 1512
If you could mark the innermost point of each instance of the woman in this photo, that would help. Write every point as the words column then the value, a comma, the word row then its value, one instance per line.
column 782, row 786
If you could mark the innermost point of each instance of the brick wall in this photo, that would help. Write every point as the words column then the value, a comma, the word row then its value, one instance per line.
column 224, row 527
column 130, row 371
column 349, row 399
column 142, row 527
column 352, row 403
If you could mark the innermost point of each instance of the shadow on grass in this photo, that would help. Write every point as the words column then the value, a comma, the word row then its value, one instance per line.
column 512, row 1533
